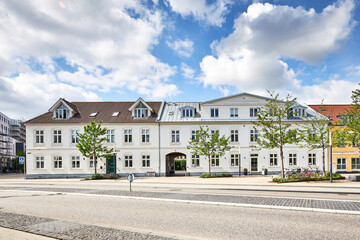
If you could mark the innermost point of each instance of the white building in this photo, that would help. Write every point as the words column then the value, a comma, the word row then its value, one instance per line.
column 149, row 135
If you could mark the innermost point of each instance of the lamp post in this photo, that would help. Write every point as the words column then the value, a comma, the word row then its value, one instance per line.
column 330, row 144
column 239, row 161
column 114, row 159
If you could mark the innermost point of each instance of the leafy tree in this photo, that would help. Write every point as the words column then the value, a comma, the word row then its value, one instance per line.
column 315, row 134
column 16, row 164
column 272, row 125
column 209, row 144
column 91, row 142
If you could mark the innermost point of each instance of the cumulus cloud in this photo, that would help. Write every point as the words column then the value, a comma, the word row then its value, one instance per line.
column 213, row 14
column 187, row 71
column 353, row 70
column 183, row 48
column 90, row 36
column 253, row 57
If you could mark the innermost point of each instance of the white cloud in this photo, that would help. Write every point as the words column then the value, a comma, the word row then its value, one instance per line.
column 187, row 71
column 213, row 14
column 183, row 48
column 253, row 57
column 353, row 70
column 90, row 36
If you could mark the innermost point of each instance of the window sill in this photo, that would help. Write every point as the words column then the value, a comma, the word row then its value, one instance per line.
column 216, row 167
column 39, row 144
column 145, row 143
column 175, row 143
column 128, row 143
column 234, row 166
column 129, row 168
column 146, row 168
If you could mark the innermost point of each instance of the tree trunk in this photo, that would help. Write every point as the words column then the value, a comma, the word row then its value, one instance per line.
column 282, row 161
column 209, row 165
column 95, row 160
column 323, row 159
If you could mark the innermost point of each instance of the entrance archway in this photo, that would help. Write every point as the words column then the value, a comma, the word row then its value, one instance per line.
column 175, row 164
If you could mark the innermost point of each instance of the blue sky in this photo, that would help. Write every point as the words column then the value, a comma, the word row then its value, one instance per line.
column 175, row 50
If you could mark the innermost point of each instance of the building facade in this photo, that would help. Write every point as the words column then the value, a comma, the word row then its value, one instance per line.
column 345, row 158
column 149, row 136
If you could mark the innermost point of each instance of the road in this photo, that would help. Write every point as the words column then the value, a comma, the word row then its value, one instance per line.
column 195, row 221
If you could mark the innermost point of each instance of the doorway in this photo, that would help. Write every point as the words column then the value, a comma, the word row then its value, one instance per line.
column 175, row 164
column 110, row 165
column 254, row 162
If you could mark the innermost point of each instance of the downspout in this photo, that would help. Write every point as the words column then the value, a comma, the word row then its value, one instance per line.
column 159, row 150
column 162, row 106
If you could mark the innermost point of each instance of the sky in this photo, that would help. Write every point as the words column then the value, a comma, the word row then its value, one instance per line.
column 175, row 50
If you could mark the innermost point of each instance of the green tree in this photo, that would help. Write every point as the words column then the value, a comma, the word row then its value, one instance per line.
column 315, row 134
column 208, row 144
column 91, row 142
column 274, row 131
column 16, row 164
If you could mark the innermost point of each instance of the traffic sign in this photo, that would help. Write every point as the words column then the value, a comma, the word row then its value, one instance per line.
column 130, row 177
column 21, row 160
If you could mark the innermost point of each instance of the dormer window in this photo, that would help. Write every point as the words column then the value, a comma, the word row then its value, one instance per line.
column 62, row 112
column 298, row 112
column 141, row 111
column 187, row 112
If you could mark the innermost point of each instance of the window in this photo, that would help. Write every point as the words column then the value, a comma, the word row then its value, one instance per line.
column 273, row 159
column 62, row 112
column 40, row 162
column 195, row 160
column 234, row 135
column 75, row 161
column 341, row 164
column 93, row 114
column 128, row 161
column 91, row 162
column 234, row 112
column 74, row 136
column 115, row 114
column 214, row 112
column 57, row 136
column 298, row 112
column 110, row 136
column 215, row 160
column 234, row 158
column 128, row 135
column 253, row 112
column 175, row 136
column 57, row 162
column 39, row 136
column 355, row 163
column 145, row 136
column 193, row 134
column 146, row 161
column 292, row 159
column 253, row 135
column 188, row 112
column 312, row 159
column 141, row 111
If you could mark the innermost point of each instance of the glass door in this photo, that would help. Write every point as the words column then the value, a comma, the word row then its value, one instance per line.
column 254, row 162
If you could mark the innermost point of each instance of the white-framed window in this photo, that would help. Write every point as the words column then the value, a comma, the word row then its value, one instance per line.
column 195, row 160
column 39, row 136
column 74, row 136
column 298, row 112
column 234, row 136
column 188, row 112
column 39, row 162
column 253, row 135
column 312, row 159
column 214, row 112
column 215, row 160
column 62, row 112
column 193, row 133
column 341, row 164
column 234, row 159
column 58, row 162
column 75, row 161
column 128, row 135
column 145, row 135
column 141, row 111
column 355, row 163
column 234, row 112
column 292, row 158
column 253, row 112
column 110, row 136
column 273, row 159
column 91, row 162
column 128, row 161
column 57, row 136
column 175, row 136
column 145, row 160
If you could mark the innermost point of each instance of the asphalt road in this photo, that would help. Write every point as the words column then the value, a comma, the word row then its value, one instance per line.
column 183, row 220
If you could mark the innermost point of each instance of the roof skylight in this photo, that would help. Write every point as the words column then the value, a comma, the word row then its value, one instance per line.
column 115, row 114
column 93, row 114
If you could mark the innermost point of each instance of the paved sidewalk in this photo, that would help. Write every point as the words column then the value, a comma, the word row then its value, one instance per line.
column 6, row 234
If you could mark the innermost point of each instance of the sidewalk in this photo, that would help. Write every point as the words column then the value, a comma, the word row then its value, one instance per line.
column 6, row 234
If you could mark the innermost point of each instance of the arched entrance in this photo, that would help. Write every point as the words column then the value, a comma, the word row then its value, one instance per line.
column 175, row 164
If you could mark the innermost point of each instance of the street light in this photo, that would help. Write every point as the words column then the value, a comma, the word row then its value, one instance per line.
column 330, row 144
column 239, row 160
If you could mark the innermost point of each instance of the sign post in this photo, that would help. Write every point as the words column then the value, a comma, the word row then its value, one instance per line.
column 22, row 162
column 130, row 178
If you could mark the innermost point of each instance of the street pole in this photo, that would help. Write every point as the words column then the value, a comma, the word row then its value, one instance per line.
column 239, row 161
column 114, row 159
column 330, row 143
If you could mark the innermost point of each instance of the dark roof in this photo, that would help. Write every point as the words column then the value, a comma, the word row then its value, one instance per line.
column 73, row 106
column 105, row 111
column 332, row 111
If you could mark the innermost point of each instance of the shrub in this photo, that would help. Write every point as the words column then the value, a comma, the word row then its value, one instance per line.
column 245, row 169
column 207, row 175
column 180, row 164
column 305, row 177
column 97, row 176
